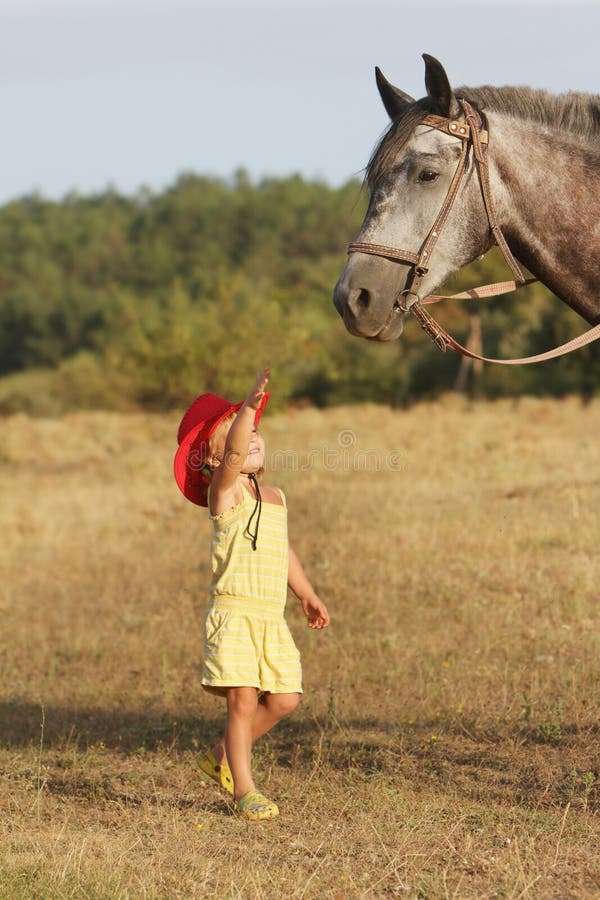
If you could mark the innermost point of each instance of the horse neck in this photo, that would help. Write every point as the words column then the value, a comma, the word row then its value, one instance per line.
column 548, row 188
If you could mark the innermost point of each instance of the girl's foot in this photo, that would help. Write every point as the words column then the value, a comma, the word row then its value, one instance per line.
column 219, row 772
column 256, row 806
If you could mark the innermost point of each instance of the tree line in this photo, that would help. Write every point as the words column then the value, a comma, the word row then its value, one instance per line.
column 129, row 302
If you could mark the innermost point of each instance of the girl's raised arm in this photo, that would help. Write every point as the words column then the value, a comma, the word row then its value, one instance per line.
column 238, row 438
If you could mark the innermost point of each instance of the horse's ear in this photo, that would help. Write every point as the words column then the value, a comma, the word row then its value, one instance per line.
column 394, row 100
column 438, row 88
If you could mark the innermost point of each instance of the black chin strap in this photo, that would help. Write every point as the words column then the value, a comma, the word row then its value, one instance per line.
column 255, row 512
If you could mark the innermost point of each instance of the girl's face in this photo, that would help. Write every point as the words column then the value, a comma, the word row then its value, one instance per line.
column 255, row 461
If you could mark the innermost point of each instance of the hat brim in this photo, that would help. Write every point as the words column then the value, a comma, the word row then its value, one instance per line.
column 190, row 456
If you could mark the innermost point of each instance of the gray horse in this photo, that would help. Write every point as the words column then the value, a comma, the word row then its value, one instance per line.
column 542, row 164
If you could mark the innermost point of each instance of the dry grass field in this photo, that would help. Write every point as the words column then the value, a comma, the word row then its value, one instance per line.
column 447, row 745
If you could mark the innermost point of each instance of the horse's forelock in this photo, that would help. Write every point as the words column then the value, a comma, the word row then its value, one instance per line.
column 397, row 135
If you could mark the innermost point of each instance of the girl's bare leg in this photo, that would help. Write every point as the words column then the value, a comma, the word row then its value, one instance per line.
column 242, row 704
column 270, row 710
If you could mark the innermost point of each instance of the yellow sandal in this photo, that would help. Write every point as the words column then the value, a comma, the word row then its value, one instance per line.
column 256, row 806
column 219, row 772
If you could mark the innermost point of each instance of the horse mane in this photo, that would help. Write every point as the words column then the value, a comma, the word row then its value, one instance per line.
column 574, row 114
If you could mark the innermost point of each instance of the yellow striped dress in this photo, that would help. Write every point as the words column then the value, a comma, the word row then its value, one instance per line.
column 247, row 642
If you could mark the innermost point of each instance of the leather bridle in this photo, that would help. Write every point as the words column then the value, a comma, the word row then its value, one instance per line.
column 474, row 135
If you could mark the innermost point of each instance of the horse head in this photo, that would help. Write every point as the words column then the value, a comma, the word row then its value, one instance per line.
column 409, row 176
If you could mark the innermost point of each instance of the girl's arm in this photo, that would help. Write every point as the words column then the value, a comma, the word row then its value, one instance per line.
column 313, row 607
column 238, row 439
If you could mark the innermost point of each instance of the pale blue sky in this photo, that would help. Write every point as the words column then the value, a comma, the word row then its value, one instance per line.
column 130, row 93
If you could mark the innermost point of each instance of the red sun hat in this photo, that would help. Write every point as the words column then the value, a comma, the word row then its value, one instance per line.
column 198, row 424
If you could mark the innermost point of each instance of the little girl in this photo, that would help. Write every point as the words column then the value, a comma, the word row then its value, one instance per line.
column 249, row 654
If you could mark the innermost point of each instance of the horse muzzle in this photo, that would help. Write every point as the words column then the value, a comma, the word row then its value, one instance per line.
column 372, row 306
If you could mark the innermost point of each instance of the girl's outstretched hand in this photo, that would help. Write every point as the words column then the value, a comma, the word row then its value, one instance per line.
column 315, row 612
column 255, row 397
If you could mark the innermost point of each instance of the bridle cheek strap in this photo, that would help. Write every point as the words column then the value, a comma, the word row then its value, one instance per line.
column 471, row 133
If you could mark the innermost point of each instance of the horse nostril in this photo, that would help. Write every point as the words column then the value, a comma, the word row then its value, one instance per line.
column 359, row 300
column 364, row 299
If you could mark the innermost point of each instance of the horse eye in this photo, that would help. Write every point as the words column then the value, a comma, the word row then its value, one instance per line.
column 427, row 175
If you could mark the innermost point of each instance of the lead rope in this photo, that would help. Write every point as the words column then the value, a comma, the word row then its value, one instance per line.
column 255, row 512
column 445, row 341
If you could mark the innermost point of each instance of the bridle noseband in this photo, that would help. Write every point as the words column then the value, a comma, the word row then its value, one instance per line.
column 474, row 135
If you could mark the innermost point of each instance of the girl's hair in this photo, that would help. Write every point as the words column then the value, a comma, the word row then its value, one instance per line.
column 220, row 433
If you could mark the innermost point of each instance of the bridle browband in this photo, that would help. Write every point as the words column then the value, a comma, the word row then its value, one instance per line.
column 473, row 134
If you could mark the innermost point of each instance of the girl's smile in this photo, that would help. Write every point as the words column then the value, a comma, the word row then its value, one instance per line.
column 255, row 458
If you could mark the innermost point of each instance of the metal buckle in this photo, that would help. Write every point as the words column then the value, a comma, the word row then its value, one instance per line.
column 406, row 307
